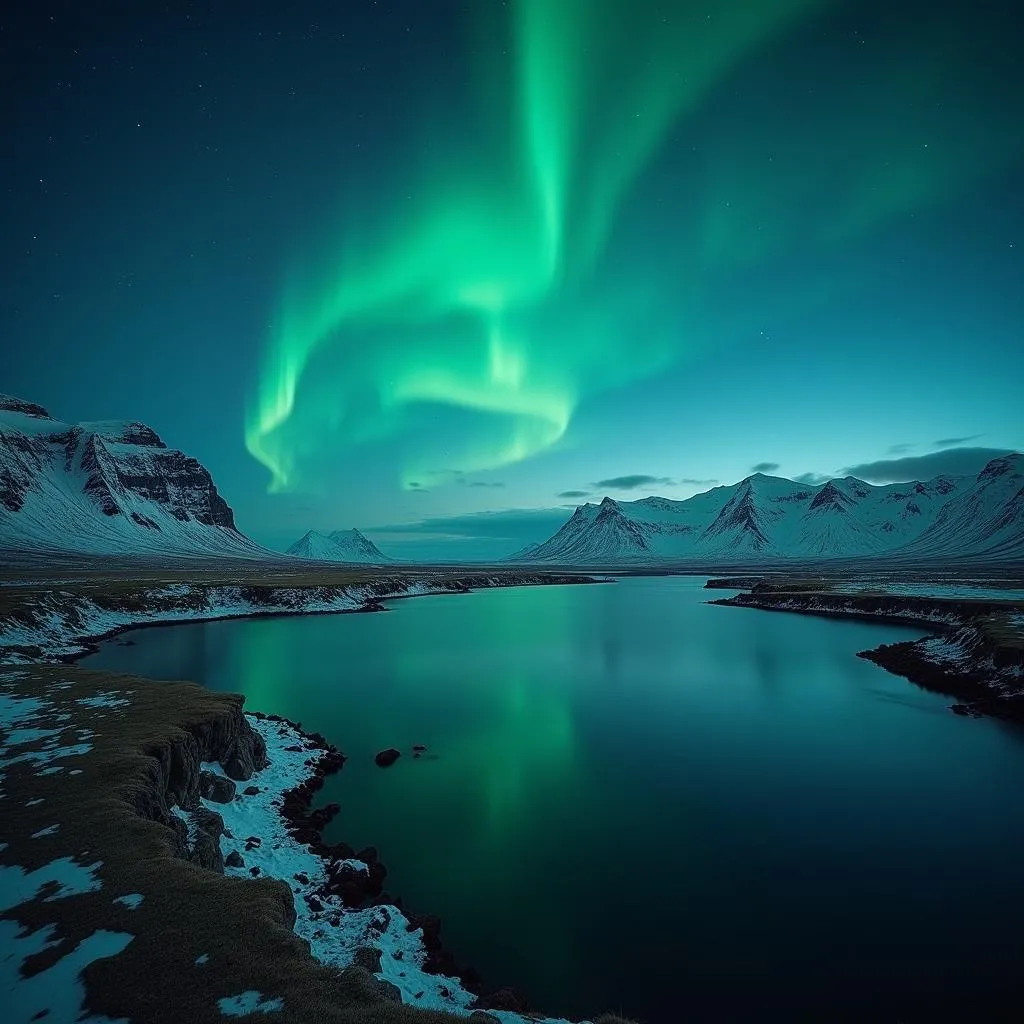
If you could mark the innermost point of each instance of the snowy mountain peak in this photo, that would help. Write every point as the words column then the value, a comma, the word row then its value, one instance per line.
column 8, row 403
column 348, row 546
column 771, row 517
column 126, row 432
column 831, row 496
column 109, row 487
column 1000, row 467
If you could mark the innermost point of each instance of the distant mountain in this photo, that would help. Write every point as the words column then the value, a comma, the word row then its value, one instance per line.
column 111, row 487
column 338, row 546
column 770, row 517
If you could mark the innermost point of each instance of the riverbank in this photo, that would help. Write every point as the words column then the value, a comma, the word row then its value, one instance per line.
column 156, row 831
column 974, row 651
column 43, row 621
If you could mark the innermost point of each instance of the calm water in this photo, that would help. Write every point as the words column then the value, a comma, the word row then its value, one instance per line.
column 637, row 801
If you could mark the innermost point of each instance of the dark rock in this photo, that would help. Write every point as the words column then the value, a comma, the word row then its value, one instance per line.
column 480, row 1017
column 419, row 747
column 216, row 788
column 368, row 855
column 301, row 877
column 254, row 871
column 386, row 758
column 234, row 860
column 255, row 840
column 505, row 999
column 322, row 815
column 251, row 791
column 206, row 849
column 314, row 905
column 431, row 926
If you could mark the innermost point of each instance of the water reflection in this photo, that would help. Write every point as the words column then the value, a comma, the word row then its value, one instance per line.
column 625, row 782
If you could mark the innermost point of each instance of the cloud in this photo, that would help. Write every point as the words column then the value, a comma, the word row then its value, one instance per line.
column 948, row 442
column 573, row 494
column 764, row 467
column 631, row 482
column 699, row 483
column 482, row 483
column 900, row 449
column 951, row 462
column 810, row 478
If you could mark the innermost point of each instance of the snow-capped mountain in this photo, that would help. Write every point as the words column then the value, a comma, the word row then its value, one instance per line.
column 111, row 487
column 338, row 546
column 773, row 518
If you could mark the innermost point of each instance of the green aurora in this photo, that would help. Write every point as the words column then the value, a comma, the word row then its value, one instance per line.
column 465, row 318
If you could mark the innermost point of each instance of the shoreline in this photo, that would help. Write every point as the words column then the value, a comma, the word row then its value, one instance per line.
column 974, row 650
column 30, row 635
column 338, row 907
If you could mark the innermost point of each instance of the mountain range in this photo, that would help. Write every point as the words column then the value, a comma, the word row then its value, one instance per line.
column 110, row 487
column 114, row 487
column 338, row 546
column 769, row 518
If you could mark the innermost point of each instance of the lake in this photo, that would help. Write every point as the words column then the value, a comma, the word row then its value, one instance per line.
column 633, row 800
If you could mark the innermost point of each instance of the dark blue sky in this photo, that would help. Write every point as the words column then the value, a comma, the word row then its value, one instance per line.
column 436, row 260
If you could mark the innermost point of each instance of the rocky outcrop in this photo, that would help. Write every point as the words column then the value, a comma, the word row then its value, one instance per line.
column 205, row 849
column 173, row 776
column 8, row 403
column 972, row 663
column 386, row 758
column 216, row 788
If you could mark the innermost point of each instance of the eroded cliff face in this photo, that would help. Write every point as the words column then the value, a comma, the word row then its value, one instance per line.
column 173, row 781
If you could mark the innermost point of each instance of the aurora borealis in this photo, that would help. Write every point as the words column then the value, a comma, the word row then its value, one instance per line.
column 402, row 263
column 482, row 296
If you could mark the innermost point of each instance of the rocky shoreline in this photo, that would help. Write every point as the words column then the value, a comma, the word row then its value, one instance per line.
column 329, row 899
column 974, row 651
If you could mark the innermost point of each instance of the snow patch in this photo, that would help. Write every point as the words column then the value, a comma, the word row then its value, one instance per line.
column 110, row 699
column 56, row 994
column 249, row 1002
column 130, row 900
column 18, row 886
column 48, row 831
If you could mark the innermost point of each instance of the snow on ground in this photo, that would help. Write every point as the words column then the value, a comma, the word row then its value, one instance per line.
column 943, row 650
column 951, row 591
column 70, row 877
column 57, row 994
column 130, row 900
column 109, row 699
column 26, row 721
column 248, row 1002
column 334, row 933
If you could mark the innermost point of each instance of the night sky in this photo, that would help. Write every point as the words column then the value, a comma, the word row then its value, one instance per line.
column 440, row 269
